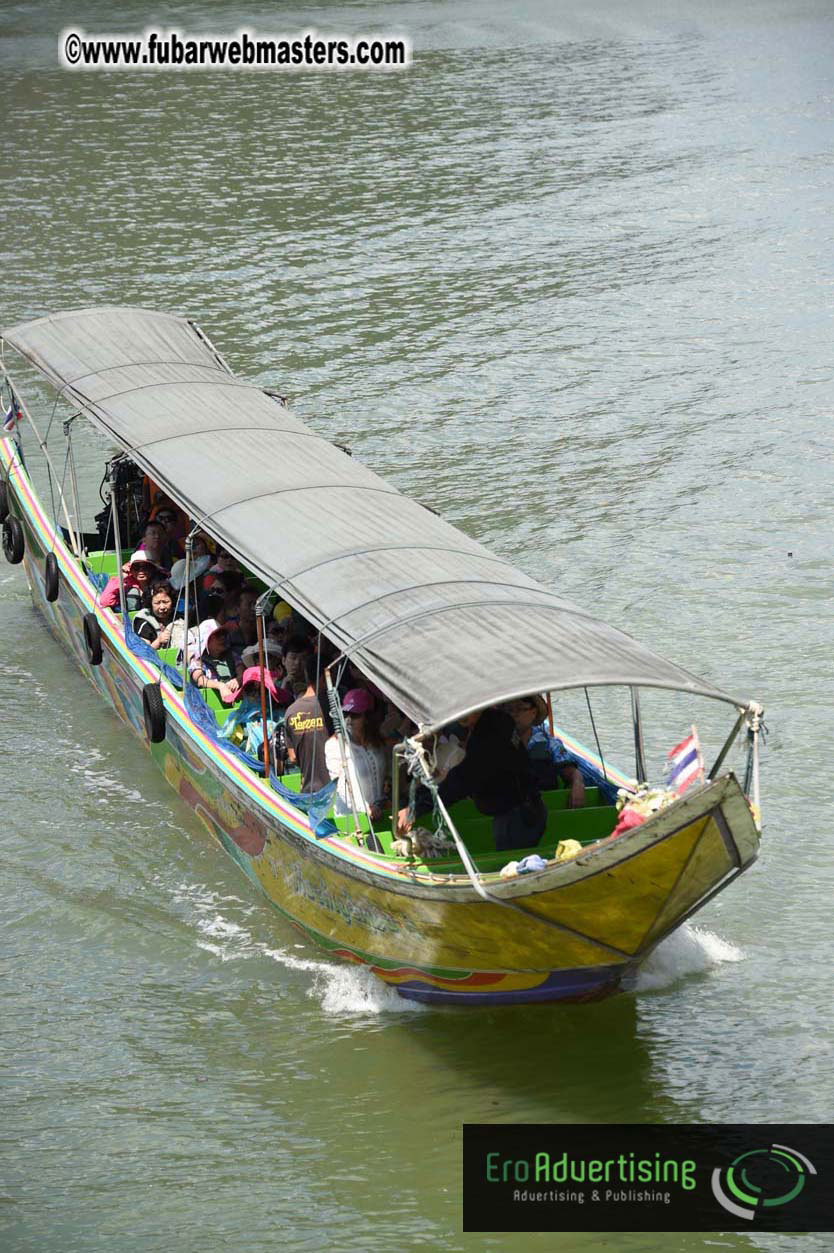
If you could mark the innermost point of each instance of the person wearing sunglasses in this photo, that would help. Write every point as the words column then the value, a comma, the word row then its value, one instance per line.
column 550, row 760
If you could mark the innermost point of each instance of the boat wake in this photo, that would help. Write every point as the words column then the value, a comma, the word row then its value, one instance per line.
column 339, row 989
column 353, row 990
column 687, row 951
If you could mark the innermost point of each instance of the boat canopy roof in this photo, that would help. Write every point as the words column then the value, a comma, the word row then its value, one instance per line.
column 439, row 623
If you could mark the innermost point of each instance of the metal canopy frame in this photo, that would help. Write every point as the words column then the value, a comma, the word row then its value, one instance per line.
column 568, row 647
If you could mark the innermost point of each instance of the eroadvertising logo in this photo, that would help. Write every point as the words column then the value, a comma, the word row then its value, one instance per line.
column 761, row 1177
column 637, row 1177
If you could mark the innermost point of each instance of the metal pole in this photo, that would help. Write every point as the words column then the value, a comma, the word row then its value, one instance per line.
column 117, row 539
column 189, row 541
column 728, row 743
column 47, row 458
column 80, row 547
column 639, row 749
column 755, row 723
column 549, row 699
column 757, row 807
column 341, row 735
column 259, row 622
column 395, row 786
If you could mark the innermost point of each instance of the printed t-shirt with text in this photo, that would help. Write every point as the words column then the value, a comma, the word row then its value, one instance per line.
column 307, row 736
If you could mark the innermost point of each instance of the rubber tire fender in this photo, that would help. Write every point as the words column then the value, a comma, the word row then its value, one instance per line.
column 154, row 710
column 92, row 639
column 14, row 544
column 51, row 579
column 4, row 500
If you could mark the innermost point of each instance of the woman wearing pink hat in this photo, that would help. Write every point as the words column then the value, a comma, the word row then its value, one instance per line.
column 365, row 758
column 245, row 725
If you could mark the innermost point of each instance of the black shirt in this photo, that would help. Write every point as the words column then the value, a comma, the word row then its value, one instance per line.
column 496, row 771
column 306, row 736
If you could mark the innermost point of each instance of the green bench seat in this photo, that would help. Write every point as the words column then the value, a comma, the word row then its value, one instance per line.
column 103, row 562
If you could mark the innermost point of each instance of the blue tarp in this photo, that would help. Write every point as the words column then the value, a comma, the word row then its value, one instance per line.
column 99, row 581
column 206, row 721
column 315, row 805
column 141, row 648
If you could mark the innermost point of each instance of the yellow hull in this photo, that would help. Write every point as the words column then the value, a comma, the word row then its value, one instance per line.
column 573, row 931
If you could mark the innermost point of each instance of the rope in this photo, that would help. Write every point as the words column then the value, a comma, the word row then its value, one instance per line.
column 51, row 420
column 596, row 737
column 99, row 590
column 61, row 489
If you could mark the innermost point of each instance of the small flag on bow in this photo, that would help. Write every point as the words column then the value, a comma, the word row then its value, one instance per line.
column 11, row 417
column 684, row 763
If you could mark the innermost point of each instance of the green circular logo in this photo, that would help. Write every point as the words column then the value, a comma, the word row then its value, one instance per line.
column 761, row 1179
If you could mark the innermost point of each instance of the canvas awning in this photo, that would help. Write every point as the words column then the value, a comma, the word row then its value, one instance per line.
column 438, row 622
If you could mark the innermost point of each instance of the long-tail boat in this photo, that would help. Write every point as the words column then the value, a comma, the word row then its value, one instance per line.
column 432, row 619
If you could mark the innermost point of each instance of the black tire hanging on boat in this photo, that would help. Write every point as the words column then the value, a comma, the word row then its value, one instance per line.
column 13, row 542
column 92, row 639
column 51, row 580
column 4, row 501
column 154, row 710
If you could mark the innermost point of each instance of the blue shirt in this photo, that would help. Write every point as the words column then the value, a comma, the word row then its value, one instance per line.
column 542, row 744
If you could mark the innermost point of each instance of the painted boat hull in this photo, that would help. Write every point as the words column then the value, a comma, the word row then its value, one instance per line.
column 574, row 932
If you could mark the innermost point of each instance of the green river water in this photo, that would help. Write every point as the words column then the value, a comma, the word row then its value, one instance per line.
column 567, row 279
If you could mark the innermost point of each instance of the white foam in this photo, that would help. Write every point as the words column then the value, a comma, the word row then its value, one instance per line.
column 354, row 990
column 343, row 989
column 340, row 989
column 687, row 951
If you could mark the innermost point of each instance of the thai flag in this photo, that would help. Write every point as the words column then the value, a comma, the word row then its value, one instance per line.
column 684, row 763
column 11, row 417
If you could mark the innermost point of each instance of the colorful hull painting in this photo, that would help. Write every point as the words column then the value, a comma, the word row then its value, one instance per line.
column 575, row 931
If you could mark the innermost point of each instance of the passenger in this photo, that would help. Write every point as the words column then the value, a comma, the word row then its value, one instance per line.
column 282, row 617
column 306, row 731
column 228, row 585
column 496, row 772
column 551, row 760
column 224, row 563
column 199, row 565
column 295, row 650
column 156, row 546
column 172, row 522
column 137, row 575
column 273, row 657
column 242, row 624
column 279, row 750
column 201, row 554
column 214, row 666
column 276, row 634
column 395, row 726
column 365, row 759
column 141, row 576
column 155, row 620
column 245, row 726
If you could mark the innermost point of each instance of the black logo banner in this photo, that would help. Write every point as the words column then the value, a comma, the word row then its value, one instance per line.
column 641, row 1177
